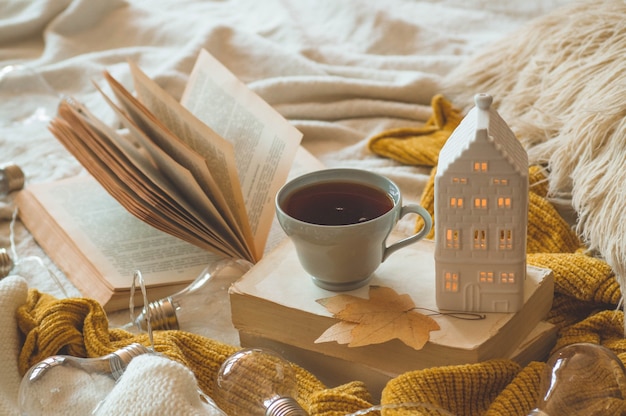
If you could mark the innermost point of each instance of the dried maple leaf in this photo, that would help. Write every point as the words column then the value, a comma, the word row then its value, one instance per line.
column 383, row 317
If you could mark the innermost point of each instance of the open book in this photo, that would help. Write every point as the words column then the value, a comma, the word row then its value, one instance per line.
column 204, row 170
column 98, row 244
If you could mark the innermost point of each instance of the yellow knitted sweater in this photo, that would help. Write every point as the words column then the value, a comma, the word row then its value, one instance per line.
column 584, row 310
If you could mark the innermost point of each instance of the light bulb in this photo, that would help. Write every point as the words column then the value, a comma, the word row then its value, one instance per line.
column 11, row 178
column 402, row 409
column 582, row 379
column 257, row 382
column 200, row 307
column 63, row 384
column 6, row 263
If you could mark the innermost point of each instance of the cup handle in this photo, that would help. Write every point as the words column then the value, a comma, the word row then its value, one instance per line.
column 428, row 223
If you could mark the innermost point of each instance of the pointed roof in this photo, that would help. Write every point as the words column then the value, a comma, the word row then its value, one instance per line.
column 483, row 121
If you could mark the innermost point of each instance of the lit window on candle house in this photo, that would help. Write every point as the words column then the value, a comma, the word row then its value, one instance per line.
column 504, row 202
column 480, row 203
column 485, row 277
column 456, row 202
column 480, row 166
column 505, row 240
column 507, row 278
column 480, row 239
column 451, row 282
column 453, row 238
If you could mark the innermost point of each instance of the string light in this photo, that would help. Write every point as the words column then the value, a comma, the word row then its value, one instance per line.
column 51, row 386
column 403, row 409
column 582, row 379
column 11, row 178
column 257, row 382
column 198, row 306
column 6, row 263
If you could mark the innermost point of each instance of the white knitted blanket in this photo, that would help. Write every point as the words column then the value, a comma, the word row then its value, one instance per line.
column 339, row 71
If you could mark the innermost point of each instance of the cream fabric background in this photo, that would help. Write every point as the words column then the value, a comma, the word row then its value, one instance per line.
column 339, row 71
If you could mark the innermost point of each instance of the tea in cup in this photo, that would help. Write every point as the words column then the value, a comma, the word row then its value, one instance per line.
column 339, row 221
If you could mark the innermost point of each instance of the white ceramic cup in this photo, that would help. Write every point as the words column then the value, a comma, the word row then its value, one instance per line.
column 344, row 256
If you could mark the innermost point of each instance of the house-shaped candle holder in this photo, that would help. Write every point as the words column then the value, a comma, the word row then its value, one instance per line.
column 481, row 213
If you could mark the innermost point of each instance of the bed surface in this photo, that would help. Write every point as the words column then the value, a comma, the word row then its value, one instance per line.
column 339, row 71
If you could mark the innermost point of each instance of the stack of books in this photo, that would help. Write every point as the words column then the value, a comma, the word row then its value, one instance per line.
column 275, row 305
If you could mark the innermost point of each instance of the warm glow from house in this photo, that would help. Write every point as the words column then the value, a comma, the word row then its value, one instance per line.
column 507, row 278
column 451, row 282
column 480, row 239
column 480, row 166
column 504, row 202
column 506, row 240
column 453, row 238
column 485, row 277
column 456, row 202
column 480, row 203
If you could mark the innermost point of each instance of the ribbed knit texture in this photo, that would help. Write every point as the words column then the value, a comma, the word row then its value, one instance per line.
column 419, row 146
column 464, row 390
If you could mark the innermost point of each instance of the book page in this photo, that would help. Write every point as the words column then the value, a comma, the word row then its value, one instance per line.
column 223, row 195
column 264, row 142
column 186, row 190
column 136, row 184
column 115, row 241
column 189, row 141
